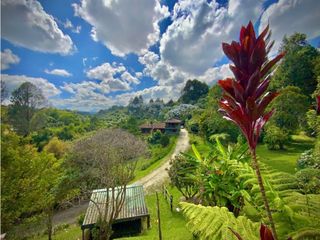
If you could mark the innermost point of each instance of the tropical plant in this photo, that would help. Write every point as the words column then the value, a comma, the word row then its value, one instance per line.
column 214, row 222
column 211, row 179
column 244, row 100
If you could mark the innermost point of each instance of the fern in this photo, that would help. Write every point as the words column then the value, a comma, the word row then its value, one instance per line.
column 214, row 223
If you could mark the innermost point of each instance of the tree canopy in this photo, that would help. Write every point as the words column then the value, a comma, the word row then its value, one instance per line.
column 193, row 91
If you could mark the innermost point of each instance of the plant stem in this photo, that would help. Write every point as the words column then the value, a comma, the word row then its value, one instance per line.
column 263, row 193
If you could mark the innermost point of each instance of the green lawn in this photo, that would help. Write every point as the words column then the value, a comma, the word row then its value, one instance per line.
column 285, row 160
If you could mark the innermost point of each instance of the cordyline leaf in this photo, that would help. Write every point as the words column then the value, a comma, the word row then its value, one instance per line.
column 262, row 88
column 268, row 97
column 265, row 233
column 227, row 86
column 270, row 64
column 244, row 99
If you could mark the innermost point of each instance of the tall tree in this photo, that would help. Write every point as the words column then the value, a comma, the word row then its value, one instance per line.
column 109, row 158
column 291, row 107
column 25, row 100
column 193, row 91
column 297, row 67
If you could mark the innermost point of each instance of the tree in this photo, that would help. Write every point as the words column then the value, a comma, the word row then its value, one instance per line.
column 57, row 147
column 275, row 137
column 193, row 91
column 4, row 91
column 297, row 67
column 25, row 100
column 291, row 106
column 109, row 157
column 181, row 167
column 136, row 107
column 29, row 179
column 244, row 101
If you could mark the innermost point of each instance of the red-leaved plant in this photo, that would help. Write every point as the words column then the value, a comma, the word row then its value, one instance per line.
column 244, row 98
column 318, row 103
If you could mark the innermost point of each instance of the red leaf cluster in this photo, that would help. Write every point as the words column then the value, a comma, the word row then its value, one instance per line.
column 245, row 98
column 265, row 233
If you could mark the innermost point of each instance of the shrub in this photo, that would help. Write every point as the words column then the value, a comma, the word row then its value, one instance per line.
column 164, row 140
column 309, row 159
column 275, row 138
column 309, row 180
column 155, row 137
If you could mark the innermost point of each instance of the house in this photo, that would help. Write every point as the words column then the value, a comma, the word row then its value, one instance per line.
column 132, row 219
column 169, row 126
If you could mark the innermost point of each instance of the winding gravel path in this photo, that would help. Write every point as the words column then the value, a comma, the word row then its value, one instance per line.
column 159, row 175
column 149, row 182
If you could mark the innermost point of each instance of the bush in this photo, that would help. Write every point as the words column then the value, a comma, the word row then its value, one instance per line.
column 81, row 219
column 309, row 159
column 164, row 140
column 275, row 138
column 309, row 180
column 155, row 137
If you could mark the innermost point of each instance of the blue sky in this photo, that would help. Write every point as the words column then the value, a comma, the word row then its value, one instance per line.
column 91, row 54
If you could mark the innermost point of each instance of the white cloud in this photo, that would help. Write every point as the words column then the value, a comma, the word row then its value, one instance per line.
column 105, row 71
column 58, row 72
column 126, row 26
column 8, row 58
column 290, row 16
column 173, row 79
column 126, row 76
column 192, row 43
column 113, row 77
column 68, row 25
column 25, row 23
column 14, row 81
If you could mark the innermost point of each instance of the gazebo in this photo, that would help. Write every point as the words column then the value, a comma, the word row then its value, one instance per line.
column 132, row 219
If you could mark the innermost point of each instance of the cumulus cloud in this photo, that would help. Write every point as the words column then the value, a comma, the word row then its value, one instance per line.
column 68, row 25
column 289, row 16
column 113, row 77
column 192, row 43
column 126, row 26
column 170, row 76
column 25, row 23
column 58, row 72
column 8, row 58
column 12, row 82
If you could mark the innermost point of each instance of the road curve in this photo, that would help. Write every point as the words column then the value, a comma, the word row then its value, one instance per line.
column 159, row 175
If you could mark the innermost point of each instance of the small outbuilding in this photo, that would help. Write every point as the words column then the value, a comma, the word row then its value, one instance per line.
column 133, row 217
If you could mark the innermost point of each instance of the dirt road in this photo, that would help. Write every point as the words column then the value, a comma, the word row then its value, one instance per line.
column 159, row 175
column 151, row 181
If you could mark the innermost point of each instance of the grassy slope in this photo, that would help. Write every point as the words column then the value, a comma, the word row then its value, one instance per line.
column 285, row 160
